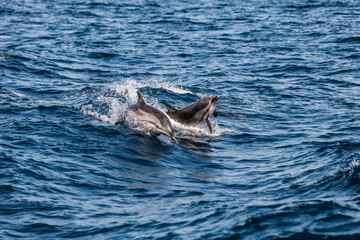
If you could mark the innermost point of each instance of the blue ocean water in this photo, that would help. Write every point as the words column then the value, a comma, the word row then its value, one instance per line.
column 283, row 161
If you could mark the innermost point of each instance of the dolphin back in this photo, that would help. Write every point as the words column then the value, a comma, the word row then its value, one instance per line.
column 148, row 118
column 195, row 114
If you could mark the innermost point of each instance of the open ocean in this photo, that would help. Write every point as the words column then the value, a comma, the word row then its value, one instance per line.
column 283, row 161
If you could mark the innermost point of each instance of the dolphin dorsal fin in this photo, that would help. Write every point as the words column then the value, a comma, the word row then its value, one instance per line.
column 140, row 98
column 170, row 108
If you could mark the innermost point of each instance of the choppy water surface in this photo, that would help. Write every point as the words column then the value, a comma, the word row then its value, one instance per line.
column 283, row 161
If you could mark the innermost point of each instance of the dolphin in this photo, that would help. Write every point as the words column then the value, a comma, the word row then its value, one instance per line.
column 196, row 114
column 148, row 118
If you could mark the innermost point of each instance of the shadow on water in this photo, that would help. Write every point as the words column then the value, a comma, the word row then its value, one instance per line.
column 196, row 158
column 195, row 144
column 146, row 158
column 144, row 147
column 136, row 160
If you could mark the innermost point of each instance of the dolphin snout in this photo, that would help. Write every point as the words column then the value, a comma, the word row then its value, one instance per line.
column 214, row 100
column 169, row 134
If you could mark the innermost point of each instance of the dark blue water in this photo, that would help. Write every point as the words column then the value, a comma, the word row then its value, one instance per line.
column 284, row 158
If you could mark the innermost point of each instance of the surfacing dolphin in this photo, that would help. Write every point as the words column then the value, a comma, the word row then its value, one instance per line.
column 148, row 118
column 196, row 114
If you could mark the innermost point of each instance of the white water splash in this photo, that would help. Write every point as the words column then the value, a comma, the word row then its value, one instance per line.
column 354, row 164
column 186, row 130
column 114, row 112
column 131, row 85
column 4, row 56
